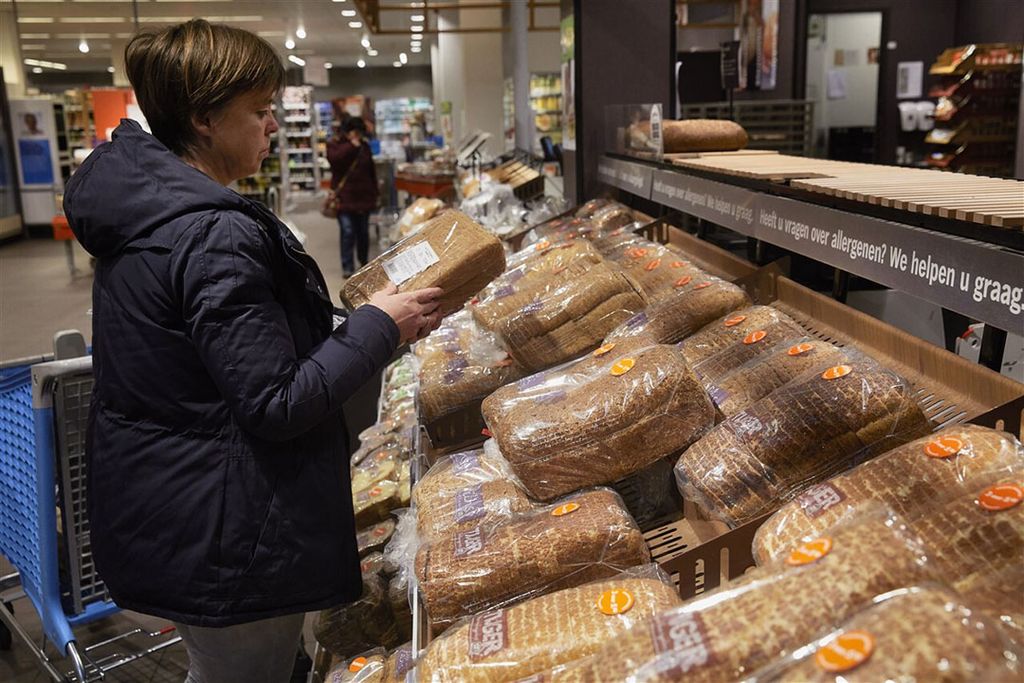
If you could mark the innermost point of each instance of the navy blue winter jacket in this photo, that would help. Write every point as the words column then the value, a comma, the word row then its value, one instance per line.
column 218, row 479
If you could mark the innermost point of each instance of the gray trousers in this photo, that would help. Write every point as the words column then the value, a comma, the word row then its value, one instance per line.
column 257, row 652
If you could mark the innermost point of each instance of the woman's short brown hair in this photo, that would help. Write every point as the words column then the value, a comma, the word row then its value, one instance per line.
column 193, row 69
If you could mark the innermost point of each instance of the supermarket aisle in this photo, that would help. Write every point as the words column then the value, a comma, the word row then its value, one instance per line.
column 39, row 296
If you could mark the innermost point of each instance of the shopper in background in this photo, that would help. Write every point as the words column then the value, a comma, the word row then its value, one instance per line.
column 354, row 181
column 219, row 494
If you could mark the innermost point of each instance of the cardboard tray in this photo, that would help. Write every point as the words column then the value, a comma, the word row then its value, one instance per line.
column 701, row 554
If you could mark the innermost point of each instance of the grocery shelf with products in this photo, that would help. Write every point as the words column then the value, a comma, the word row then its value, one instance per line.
column 398, row 118
column 546, row 102
column 299, row 137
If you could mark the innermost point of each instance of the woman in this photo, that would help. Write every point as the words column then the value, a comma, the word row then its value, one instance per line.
column 219, row 495
column 354, row 180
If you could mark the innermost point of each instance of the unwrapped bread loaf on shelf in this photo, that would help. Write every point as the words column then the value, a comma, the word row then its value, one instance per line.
column 799, row 435
column 702, row 135
column 581, row 538
column 451, row 252
column 756, row 618
column 919, row 633
column 465, row 490
column 736, row 326
column 571, row 319
column 580, row 426
column 509, row 644
column 912, row 479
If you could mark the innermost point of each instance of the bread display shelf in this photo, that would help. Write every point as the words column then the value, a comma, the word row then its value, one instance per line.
column 701, row 554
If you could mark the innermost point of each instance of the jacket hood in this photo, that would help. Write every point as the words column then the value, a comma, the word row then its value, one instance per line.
column 131, row 186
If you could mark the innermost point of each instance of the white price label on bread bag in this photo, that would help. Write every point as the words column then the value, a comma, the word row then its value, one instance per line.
column 410, row 262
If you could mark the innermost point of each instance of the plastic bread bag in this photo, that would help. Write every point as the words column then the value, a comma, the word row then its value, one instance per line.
column 465, row 490
column 452, row 330
column 592, row 206
column 375, row 537
column 912, row 479
column 571, row 319
column 999, row 596
column 399, row 664
column 919, row 633
column 518, row 286
column 466, row 372
column 371, row 471
column 797, row 436
column 347, row 630
column 590, row 426
column 658, row 270
column 754, row 347
column 977, row 534
column 451, row 252
column 418, row 213
column 398, row 596
column 508, row 644
column 368, row 667
column 405, row 483
column 735, row 327
column 372, row 564
column 401, row 548
column 765, row 372
column 375, row 503
column 693, row 304
column 393, row 444
column 581, row 538
column 766, row 613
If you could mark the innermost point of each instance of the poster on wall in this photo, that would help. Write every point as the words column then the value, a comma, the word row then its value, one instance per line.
column 759, row 44
column 32, row 123
column 568, row 42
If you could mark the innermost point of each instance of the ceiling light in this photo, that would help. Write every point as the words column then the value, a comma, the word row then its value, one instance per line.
column 35, row 20
column 300, row 33
column 35, row 36
column 403, row 58
column 37, row 69
column 328, row 65
column 91, row 20
column 337, row 0
column 290, row 44
column 417, row 29
column 417, row 49
column 33, row 47
column 365, row 42
column 296, row 60
column 348, row 12
column 372, row 53
column 49, row 65
column 180, row 20
column 355, row 24
column 416, row 17
column 361, row 63
column 110, row 69
column 261, row 34
column 396, row 64
column 83, row 46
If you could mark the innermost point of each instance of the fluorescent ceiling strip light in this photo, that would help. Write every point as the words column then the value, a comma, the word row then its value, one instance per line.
column 91, row 20
column 33, row 47
column 348, row 12
column 42, row 62
column 296, row 60
column 35, row 36
column 72, row 36
column 416, row 18
column 35, row 20
column 355, row 24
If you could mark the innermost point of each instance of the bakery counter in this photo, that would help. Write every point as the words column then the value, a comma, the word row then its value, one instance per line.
column 962, row 265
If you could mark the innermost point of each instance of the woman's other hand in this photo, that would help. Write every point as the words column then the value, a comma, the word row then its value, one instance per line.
column 416, row 313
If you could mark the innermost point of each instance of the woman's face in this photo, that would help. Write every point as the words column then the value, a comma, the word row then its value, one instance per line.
column 240, row 135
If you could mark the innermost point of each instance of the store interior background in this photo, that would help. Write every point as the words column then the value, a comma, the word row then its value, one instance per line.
column 626, row 51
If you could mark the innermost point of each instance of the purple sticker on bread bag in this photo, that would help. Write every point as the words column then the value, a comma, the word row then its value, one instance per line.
column 469, row 504
column 683, row 640
column 403, row 660
column 531, row 381
column 464, row 462
column 458, row 363
column 532, row 307
column 451, row 347
column 469, row 542
column 502, row 292
column 637, row 320
column 717, row 394
column 551, row 398
column 453, row 376
column 820, row 498
column 515, row 275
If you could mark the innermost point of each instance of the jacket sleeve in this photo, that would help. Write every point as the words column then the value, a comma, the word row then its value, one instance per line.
column 340, row 155
column 240, row 331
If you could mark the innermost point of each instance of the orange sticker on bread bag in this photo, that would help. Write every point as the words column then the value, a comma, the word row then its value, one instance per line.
column 604, row 349
column 702, row 285
column 849, row 650
column 543, row 245
column 837, row 371
column 800, row 349
column 1001, row 497
column 565, row 509
column 679, row 264
column 683, row 281
column 651, row 265
column 809, row 552
column 357, row 664
column 943, row 447
column 615, row 601
column 375, row 491
column 735, row 320
column 622, row 366
column 755, row 337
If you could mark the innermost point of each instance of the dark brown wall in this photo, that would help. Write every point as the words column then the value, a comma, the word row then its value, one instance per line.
column 989, row 21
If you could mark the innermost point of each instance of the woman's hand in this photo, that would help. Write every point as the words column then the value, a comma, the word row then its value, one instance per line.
column 416, row 313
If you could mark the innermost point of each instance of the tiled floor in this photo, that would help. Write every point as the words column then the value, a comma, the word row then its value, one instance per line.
column 39, row 296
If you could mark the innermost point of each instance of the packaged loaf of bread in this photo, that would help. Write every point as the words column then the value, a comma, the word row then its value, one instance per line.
column 398, row 596
column 384, row 446
column 735, row 327
column 569, row 320
column 509, row 644
column 371, row 472
column 583, row 537
column 918, row 633
column 375, row 537
column 374, row 504
column 913, row 479
column 764, row 373
column 659, row 271
column 583, row 426
column 998, row 595
column 451, row 252
column 399, row 663
column 466, row 372
column 347, row 630
column 466, row 490
column 694, row 304
column 418, row 213
column 372, row 564
column 368, row 667
column 701, row 135
column 978, row 533
column 592, row 206
column 809, row 430
column 764, row 614
column 749, row 350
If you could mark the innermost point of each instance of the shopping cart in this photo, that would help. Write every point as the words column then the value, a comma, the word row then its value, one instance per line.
column 44, row 530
